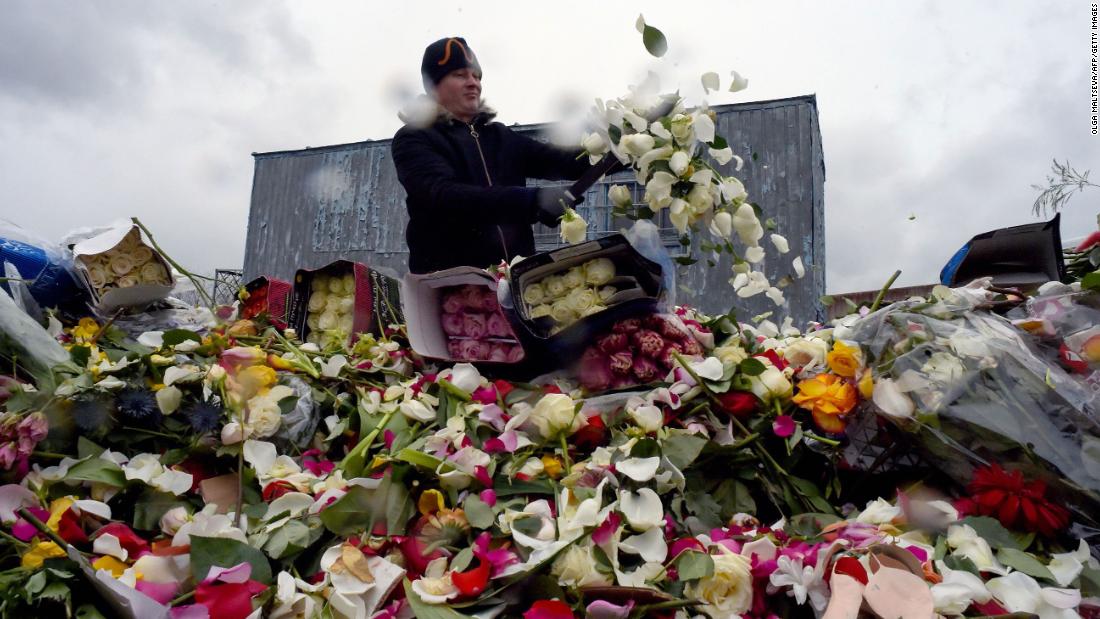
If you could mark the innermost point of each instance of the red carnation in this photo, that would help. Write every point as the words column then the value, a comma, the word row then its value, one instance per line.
column 621, row 362
column 1017, row 504
column 630, row 325
column 612, row 342
column 649, row 343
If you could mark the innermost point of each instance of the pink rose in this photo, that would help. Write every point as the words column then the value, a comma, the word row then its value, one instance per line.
column 452, row 301
column 498, row 352
column 453, row 324
column 649, row 343
column 498, row 326
column 454, row 348
column 489, row 300
column 516, row 354
column 621, row 362
column 471, row 297
column 473, row 350
column 473, row 325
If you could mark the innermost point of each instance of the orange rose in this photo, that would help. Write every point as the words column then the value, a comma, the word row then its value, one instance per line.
column 827, row 397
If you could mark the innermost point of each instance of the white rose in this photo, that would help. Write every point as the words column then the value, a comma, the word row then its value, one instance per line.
column 771, row 383
column 348, row 282
column 121, row 264
column 319, row 283
column 806, row 353
column 606, row 293
column 730, row 354
column 232, row 433
column 636, row 144
column 128, row 281
column 336, row 286
column 574, row 229
column 728, row 591
column 594, row 144
column 562, row 312
column 620, row 196
column 700, row 199
column 173, row 519
column 573, row 278
column 534, row 294
column 681, row 129
column 554, row 286
column 721, row 225
column 540, row 311
column 154, row 273
column 646, row 416
column 556, row 413
column 141, row 254
column 97, row 275
column 576, row 567
column 327, row 320
column 417, row 410
column 599, row 271
column 679, row 162
column 264, row 417
column 318, row 301
column 580, row 300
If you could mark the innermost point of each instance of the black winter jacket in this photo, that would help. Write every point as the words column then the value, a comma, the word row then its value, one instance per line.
column 467, row 200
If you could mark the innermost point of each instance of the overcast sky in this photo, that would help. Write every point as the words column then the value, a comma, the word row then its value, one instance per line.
column 944, row 110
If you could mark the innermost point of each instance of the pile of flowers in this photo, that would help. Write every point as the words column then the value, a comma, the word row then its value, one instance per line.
column 127, row 264
column 476, row 328
column 573, row 294
column 239, row 471
column 330, row 314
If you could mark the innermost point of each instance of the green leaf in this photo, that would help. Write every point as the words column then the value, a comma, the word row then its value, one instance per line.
column 80, row 355
column 1090, row 582
column 682, row 449
column 827, row 300
column 686, row 260
column 719, row 143
column 1091, row 281
column 752, row 366
column 150, row 506
column 420, row 459
column 703, row 506
column 56, row 591
column 810, row 524
column 1024, row 562
column 86, row 448
column 993, row 531
column 360, row 509
column 176, row 336
column 207, row 552
column 36, row 583
column 462, row 560
column 654, row 41
column 88, row 611
column 734, row 497
column 692, row 565
column 957, row 562
column 288, row 540
column 97, row 470
column 506, row 488
column 422, row 610
column 478, row 512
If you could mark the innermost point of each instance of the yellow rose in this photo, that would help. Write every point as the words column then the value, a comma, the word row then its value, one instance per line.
column 844, row 360
column 38, row 553
column 728, row 591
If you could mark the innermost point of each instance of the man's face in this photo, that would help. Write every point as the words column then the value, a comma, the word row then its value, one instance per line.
column 460, row 93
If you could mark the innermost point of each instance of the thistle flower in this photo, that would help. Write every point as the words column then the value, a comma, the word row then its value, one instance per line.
column 203, row 416
column 138, row 405
column 90, row 413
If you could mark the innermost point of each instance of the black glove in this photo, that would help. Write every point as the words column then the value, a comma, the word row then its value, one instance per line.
column 551, row 203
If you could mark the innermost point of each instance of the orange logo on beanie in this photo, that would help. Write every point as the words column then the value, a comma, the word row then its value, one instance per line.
column 447, row 51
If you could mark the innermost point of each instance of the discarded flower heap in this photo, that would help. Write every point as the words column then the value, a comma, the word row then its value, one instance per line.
column 331, row 308
column 125, row 265
column 476, row 328
column 569, row 296
column 673, row 158
column 242, row 471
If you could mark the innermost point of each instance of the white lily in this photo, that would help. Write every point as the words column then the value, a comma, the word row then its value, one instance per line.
column 1067, row 566
column 879, row 511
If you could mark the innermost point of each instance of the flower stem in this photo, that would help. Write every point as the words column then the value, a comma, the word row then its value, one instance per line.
column 194, row 278
column 565, row 453
column 42, row 528
column 885, row 287
column 183, row 598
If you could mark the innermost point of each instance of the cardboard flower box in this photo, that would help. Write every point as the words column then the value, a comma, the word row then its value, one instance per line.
column 636, row 281
column 454, row 315
column 121, row 270
column 343, row 299
column 267, row 295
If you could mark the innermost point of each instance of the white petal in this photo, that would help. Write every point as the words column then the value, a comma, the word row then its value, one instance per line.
column 465, row 376
column 1066, row 567
column 107, row 544
column 764, row 548
column 890, row 400
column 640, row 24
column 168, row 399
column 152, row 339
column 332, row 367
column 639, row 469
column 738, row 83
column 175, row 482
column 642, row 509
column 95, row 508
column 293, row 502
column 260, row 455
column 13, row 497
column 176, row 373
column 1061, row 598
column 799, row 269
column 650, row 545
column 710, row 81
column 754, row 254
column 1017, row 592
column 780, row 243
column 709, row 368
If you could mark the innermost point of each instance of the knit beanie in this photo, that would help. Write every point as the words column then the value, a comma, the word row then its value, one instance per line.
column 444, row 56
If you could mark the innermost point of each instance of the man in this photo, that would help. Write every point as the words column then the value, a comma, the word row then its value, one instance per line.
column 465, row 175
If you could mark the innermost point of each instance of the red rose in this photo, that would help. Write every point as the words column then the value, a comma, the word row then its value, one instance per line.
column 739, row 404
column 592, row 435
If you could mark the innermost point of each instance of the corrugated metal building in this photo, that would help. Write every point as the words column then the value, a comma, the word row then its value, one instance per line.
column 313, row 206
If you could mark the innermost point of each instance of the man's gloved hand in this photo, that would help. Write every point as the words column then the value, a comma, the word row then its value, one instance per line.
column 551, row 202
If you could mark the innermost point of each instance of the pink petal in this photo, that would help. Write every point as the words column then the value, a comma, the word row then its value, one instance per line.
column 602, row 609
column 237, row 574
column 783, row 426
column 163, row 592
